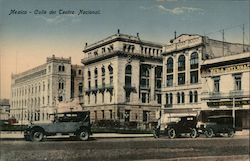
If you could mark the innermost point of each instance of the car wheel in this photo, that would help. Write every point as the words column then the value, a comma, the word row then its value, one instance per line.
column 171, row 133
column 209, row 133
column 193, row 133
column 230, row 133
column 37, row 135
column 83, row 135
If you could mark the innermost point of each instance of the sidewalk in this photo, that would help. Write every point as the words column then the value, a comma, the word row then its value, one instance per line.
column 19, row 135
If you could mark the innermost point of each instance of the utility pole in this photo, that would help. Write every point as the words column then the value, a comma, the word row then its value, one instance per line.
column 223, row 40
column 243, row 43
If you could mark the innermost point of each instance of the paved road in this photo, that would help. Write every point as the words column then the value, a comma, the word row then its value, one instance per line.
column 122, row 149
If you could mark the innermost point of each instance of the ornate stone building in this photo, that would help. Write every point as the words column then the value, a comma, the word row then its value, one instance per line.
column 37, row 92
column 182, row 82
column 122, row 78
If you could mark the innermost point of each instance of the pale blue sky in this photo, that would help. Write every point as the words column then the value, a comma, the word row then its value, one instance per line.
column 25, row 38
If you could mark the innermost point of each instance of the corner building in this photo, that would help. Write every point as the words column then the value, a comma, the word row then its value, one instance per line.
column 122, row 78
column 182, row 81
column 37, row 92
column 227, row 88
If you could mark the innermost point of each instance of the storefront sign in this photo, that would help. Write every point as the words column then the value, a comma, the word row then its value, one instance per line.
column 229, row 103
column 234, row 68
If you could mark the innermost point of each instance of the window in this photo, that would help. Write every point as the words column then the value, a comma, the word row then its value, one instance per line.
column 237, row 82
column 128, row 74
column 178, row 98
column 216, row 84
column 194, row 61
column 181, row 78
column 110, row 114
column 182, row 97
column 79, row 72
column 95, row 115
column 110, row 74
column 128, row 96
column 158, row 72
column 159, row 98
column 95, row 98
column 195, row 96
column 144, row 97
column 103, row 97
column 144, row 71
column 170, row 65
column 194, row 76
column 103, row 114
column 145, row 116
column 127, row 115
column 80, row 87
column 181, row 63
column 190, row 97
column 111, row 96
column 60, row 85
column 169, row 80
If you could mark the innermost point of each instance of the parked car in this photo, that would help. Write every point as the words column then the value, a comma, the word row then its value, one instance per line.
column 68, row 123
column 182, row 125
column 216, row 125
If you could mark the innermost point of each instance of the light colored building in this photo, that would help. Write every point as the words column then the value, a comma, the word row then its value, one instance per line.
column 182, row 82
column 122, row 78
column 226, row 87
column 4, row 109
column 37, row 92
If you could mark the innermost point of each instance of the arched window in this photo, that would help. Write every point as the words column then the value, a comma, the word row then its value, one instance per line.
column 191, row 97
column 181, row 63
column 178, row 98
column 96, row 81
column 96, row 72
column 128, row 73
column 89, row 75
column 170, row 65
column 194, row 60
column 195, row 96
column 110, row 74
column 182, row 97
column 103, row 71
column 103, row 76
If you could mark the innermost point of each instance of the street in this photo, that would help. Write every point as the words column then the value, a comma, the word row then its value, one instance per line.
column 146, row 148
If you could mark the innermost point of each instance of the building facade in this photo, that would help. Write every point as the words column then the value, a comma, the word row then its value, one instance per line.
column 4, row 109
column 226, row 87
column 182, row 81
column 122, row 78
column 37, row 92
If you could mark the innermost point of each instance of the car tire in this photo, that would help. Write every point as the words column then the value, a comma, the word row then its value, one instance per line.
column 193, row 133
column 209, row 133
column 171, row 133
column 83, row 135
column 37, row 135
column 230, row 133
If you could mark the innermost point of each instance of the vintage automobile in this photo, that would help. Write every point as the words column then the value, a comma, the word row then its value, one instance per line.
column 216, row 125
column 75, row 124
column 182, row 125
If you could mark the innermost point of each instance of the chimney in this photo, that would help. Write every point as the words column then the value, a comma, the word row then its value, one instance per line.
column 118, row 31
column 86, row 44
column 174, row 34
column 137, row 34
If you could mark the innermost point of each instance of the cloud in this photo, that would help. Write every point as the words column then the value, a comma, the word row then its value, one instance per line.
column 54, row 20
column 179, row 10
